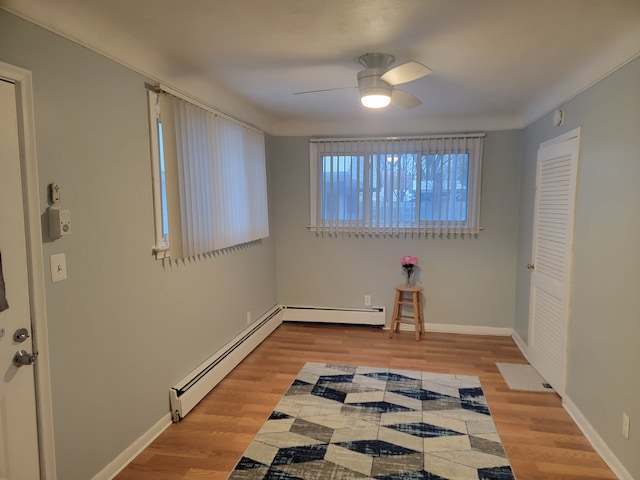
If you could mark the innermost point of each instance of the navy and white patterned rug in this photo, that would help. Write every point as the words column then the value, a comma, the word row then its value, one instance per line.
column 345, row 422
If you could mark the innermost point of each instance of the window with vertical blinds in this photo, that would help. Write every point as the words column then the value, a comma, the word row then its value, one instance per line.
column 210, row 176
column 396, row 186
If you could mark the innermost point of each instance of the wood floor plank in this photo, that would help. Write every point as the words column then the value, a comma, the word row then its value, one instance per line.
column 540, row 437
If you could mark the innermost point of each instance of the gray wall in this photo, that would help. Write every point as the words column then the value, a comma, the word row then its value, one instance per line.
column 467, row 281
column 604, row 323
column 124, row 327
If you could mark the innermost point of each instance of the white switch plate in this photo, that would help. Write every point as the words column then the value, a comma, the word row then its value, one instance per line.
column 367, row 300
column 58, row 267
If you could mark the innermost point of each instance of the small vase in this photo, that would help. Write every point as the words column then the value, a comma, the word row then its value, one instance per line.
column 409, row 275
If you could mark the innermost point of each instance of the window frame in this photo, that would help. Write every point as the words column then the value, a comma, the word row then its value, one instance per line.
column 161, row 244
column 421, row 147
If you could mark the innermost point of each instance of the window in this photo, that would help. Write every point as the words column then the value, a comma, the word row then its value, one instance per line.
column 158, row 177
column 209, row 175
column 396, row 186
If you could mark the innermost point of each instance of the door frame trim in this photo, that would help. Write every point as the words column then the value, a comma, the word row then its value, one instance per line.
column 33, row 233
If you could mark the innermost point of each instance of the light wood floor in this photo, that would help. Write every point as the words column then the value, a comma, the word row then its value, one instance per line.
column 539, row 436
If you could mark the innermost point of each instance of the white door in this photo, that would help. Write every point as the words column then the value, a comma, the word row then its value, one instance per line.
column 19, row 459
column 551, row 257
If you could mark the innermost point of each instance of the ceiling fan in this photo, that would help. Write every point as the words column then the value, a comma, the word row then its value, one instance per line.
column 377, row 81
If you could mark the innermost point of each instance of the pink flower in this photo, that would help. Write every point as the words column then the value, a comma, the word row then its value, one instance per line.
column 409, row 260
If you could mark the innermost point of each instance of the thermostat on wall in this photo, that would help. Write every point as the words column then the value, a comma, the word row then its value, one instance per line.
column 59, row 222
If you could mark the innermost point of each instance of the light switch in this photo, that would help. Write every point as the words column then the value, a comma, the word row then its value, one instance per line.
column 58, row 267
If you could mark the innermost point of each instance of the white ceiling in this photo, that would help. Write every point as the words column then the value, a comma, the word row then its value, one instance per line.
column 497, row 64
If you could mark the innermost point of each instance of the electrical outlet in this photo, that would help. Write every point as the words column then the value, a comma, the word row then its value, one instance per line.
column 367, row 300
column 248, row 317
column 625, row 425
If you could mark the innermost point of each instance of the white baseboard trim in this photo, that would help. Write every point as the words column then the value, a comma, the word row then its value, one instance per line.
column 461, row 329
column 133, row 450
column 596, row 440
column 467, row 329
column 521, row 345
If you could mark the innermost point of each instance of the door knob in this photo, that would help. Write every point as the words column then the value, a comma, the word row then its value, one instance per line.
column 530, row 266
column 22, row 358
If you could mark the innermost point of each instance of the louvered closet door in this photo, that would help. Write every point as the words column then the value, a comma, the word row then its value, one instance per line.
column 552, row 241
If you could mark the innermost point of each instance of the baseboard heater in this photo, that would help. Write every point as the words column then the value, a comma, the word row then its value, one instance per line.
column 195, row 386
column 353, row 316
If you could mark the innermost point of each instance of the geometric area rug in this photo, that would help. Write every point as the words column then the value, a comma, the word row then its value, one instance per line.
column 348, row 422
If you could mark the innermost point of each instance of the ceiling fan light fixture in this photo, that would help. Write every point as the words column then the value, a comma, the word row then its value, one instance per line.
column 375, row 100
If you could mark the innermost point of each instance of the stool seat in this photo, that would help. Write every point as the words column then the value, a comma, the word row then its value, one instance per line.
column 408, row 296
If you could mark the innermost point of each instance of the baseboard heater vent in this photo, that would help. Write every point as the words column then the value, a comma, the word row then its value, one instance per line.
column 353, row 316
column 195, row 386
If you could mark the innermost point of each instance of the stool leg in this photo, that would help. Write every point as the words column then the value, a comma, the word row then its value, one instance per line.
column 416, row 315
column 421, row 307
column 396, row 314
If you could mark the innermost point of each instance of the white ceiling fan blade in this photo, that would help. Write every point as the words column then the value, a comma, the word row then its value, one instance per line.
column 406, row 72
column 323, row 90
column 403, row 99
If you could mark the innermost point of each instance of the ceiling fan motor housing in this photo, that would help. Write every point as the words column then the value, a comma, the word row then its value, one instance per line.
column 370, row 83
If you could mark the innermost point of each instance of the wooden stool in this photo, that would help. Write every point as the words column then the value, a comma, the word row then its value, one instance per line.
column 408, row 296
